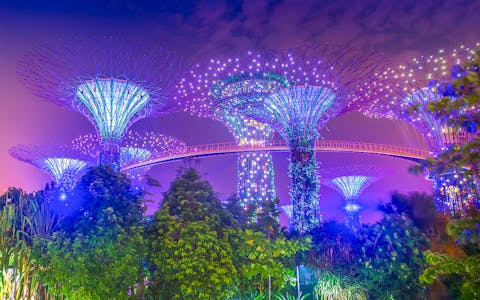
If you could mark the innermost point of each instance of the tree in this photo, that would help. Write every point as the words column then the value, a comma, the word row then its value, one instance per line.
column 390, row 254
column 98, row 251
column 262, row 217
column 258, row 259
column 466, row 232
column 190, row 254
column 332, row 247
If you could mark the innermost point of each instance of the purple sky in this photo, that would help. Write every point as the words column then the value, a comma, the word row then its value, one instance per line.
column 204, row 29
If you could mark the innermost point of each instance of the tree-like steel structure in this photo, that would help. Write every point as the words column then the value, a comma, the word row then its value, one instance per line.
column 351, row 181
column 110, row 81
column 134, row 148
column 407, row 90
column 317, row 84
column 64, row 165
column 216, row 90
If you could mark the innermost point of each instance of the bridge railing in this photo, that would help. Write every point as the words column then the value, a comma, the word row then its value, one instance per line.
column 231, row 147
column 319, row 144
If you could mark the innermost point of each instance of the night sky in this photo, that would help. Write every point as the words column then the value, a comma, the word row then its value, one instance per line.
column 201, row 30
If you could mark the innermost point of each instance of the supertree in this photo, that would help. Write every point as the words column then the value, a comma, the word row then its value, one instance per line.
column 64, row 165
column 351, row 181
column 406, row 92
column 134, row 148
column 315, row 85
column 110, row 81
column 216, row 90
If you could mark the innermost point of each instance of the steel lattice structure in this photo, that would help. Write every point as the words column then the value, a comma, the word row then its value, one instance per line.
column 135, row 147
column 110, row 81
column 64, row 165
column 317, row 85
column 351, row 181
column 216, row 90
column 415, row 84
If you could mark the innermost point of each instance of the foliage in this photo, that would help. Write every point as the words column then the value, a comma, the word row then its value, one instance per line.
column 465, row 231
column 190, row 254
column 333, row 287
column 192, row 260
column 256, row 258
column 98, row 251
column 265, row 214
column 460, row 111
column 287, row 296
column 18, row 278
column 332, row 247
column 390, row 254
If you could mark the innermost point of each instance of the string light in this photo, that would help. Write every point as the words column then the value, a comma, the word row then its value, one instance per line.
column 424, row 80
column 64, row 165
column 110, row 81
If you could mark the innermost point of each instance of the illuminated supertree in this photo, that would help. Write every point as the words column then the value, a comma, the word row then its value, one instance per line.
column 110, row 81
column 216, row 90
column 406, row 92
column 317, row 84
column 64, row 165
column 350, row 181
column 134, row 148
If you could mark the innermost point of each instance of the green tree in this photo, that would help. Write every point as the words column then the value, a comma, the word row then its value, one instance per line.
column 467, row 232
column 258, row 258
column 190, row 253
column 99, row 249
column 390, row 255
column 262, row 217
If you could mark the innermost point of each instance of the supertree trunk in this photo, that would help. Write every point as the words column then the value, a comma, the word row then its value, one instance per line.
column 255, row 179
column 110, row 155
column 304, row 190
column 353, row 218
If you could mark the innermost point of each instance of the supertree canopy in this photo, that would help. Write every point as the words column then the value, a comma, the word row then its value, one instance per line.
column 318, row 84
column 406, row 91
column 110, row 81
column 216, row 90
column 350, row 181
column 64, row 165
column 134, row 148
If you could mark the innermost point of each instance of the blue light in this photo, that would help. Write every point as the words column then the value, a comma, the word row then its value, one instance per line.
column 351, row 186
column 65, row 171
column 111, row 104
column 63, row 196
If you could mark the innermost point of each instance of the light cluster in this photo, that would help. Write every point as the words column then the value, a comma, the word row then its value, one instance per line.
column 64, row 165
column 110, row 81
column 406, row 92
column 134, row 148
column 112, row 103
column 217, row 90
column 350, row 181
column 294, row 91
column 328, row 85
column 352, row 186
column 288, row 210
column 455, row 193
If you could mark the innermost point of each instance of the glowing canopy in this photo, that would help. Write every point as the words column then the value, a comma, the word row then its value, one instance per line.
column 352, row 186
column 64, row 165
column 111, row 104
